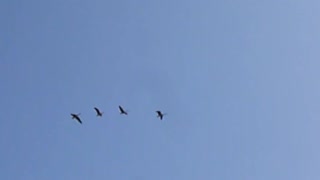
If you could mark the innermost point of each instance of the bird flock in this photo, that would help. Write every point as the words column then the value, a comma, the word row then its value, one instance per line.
column 122, row 111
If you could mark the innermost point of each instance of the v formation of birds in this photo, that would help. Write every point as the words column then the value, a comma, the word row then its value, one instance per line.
column 121, row 109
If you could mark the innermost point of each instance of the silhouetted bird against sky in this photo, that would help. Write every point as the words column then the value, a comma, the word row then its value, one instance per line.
column 99, row 113
column 76, row 116
column 160, row 114
column 122, row 111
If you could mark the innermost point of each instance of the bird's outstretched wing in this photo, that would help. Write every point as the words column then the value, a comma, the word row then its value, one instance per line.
column 97, row 110
column 78, row 119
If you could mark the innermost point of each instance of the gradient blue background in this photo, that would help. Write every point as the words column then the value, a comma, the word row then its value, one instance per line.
column 239, row 80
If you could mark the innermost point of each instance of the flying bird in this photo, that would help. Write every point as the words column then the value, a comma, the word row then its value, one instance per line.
column 99, row 113
column 160, row 114
column 76, row 116
column 122, row 111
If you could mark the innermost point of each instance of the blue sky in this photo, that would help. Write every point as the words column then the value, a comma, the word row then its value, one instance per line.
column 238, row 79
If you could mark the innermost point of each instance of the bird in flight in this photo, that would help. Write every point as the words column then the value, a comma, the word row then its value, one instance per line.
column 160, row 114
column 99, row 113
column 76, row 116
column 122, row 111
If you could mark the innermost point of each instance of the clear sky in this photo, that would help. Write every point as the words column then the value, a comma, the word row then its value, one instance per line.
column 240, row 81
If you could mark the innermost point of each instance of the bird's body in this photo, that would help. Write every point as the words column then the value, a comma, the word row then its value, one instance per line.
column 160, row 114
column 76, row 116
column 99, row 113
column 122, row 111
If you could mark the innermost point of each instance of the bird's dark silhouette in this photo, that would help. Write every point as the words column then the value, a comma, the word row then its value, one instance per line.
column 160, row 114
column 99, row 113
column 122, row 111
column 76, row 116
